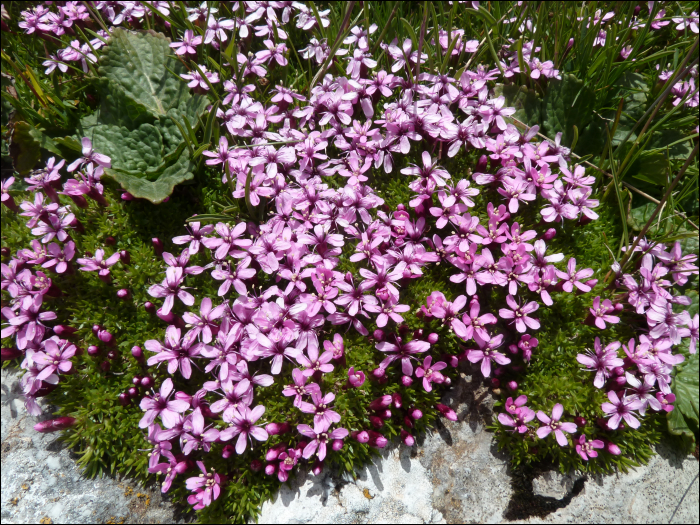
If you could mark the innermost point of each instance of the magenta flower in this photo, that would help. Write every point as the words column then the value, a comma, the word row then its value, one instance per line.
column 243, row 426
column 601, row 313
column 666, row 401
column 602, row 361
column 300, row 388
column 387, row 309
column 204, row 323
column 572, row 278
column 587, row 448
column 554, row 425
column 487, row 352
column 89, row 155
column 619, row 409
column 60, row 257
column 177, row 354
column 99, row 263
column 355, row 378
column 337, row 346
column 187, row 46
column 159, row 405
column 171, row 469
column 315, row 363
column 54, row 358
column 520, row 314
column 319, row 438
column 475, row 324
column 430, row 372
column 517, row 418
column 322, row 413
column 207, row 488
column 403, row 351
column 234, row 398
column 198, row 437
column 169, row 289
column 197, row 233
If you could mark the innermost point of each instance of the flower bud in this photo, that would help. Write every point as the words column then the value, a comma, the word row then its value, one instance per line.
column 184, row 396
column 452, row 360
column 407, row 421
column 602, row 423
column 136, row 380
column 406, row 381
column 256, row 465
column 274, row 452
column 380, row 403
column 612, row 448
column 112, row 355
column 418, row 334
column 348, row 277
column 125, row 257
column 408, row 439
column 416, row 414
column 377, row 440
column 396, row 400
column 550, row 234
column 168, row 318
column 5, row 251
column 512, row 386
column 8, row 354
column 379, row 373
column 53, row 425
column 132, row 392
column 403, row 330
column 105, row 337
column 513, row 349
column 110, row 241
column 482, row 164
column 275, row 429
column 157, row 246
column 433, row 338
column 376, row 422
column 270, row 469
column 499, row 371
column 123, row 294
column 96, row 328
column 355, row 378
column 317, row 468
column 401, row 207
column 619, row 307
column 378, row 334
column 384, row 414
column 93, row 350
column 495, row 382
column 123, row 399
column 62, row 330
column 337, row 444
column 580, row 422
column 147, row 382
column 137, row 352
column 126, row 196
column 360, row 436
column 447, row 412
column 149, row 306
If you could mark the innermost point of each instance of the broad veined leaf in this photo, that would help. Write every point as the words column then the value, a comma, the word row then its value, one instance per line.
column 138, row 62
column 138, row 150
column 567, row 104
column 683, row 419
column 156, row 190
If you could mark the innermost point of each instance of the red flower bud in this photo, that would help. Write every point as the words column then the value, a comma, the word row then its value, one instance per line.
column 408, row 439
column 396, row 400
column 275, row 429
column 317, row 468
column 125, row 257
column 228, row 451
column 137, row 352
column 406, row 381
column 550, row 234
column 53, row 425
column 378, row 335
column 274, row 452
column 149, row 306
column 380, row 403
column 256, row 465
column 157, row 246
column 123, row 399
column 377, row 422
column 147, row 382
column 433, row 338
column 93, row 350
column 447, row 412
column 123, row 294
column 361, row 436
column 62, row 330
column 8, row 354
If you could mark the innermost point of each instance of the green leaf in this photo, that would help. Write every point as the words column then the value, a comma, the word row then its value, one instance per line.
column 652, row 167
column 633, row 88
column 638, row 217
column 567, row 103
column 525, row 101
column 683, row 419
column 156, row 190
column 138, row 62
column 138, row 150
column 679, row 148
column 26, row 145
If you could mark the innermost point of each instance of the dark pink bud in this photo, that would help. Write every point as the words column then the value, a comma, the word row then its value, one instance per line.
column 401, row 207
column 602, row 423
column 123, row 399
column 619, row 381
column 580, row 422
column 11, row 204
column 5, row 251
column 183, row 396
column 62, row 330
column 317, row 468
column 147, row 382
column 337, row 444
column 550, row 234
column 447, row 412
column 406, row 381
column 403, row 330
column 132, row 392
column 168, row 318
column 348, row 277
column 612, row 448
column 512, row 386
column 157, row 246
column 355, row 378
column 619, row 371
column 377, row 422
column 112, row 355
column 270, row 469
column 378, row 335
column 110, row 241
column 275, row 429
column 482, row 164
column 499, row 371
column 9, row 354
column 380, row 403
column 105, row 336
column 513, row 349
column 418, row 334
column 274, row 452
column 96, row 328
column 396, row 400
column 136, row 380
column 433, row 338
column 360, row 436
column 384, row 414
column 126, row 196
column 619, row 307
column 228, row 451
column 125, row 257
column 137, row 352
column 445, row 380
column 408, row 439
column 407, row 421
column 379, row 373
column 495, row 382
column 149, row 306
column 93, row 350
column 452, row 360
column 637, row 9
column 123, row 294
column 53, row 425
column 256, row 465
column 416, row 414
column 377, row 440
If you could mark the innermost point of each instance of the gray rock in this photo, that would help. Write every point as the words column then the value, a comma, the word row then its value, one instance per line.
column 554, row 484
column 40, row 480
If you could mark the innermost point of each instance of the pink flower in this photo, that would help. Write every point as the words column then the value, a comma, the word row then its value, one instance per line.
column 587, row 448
column 320, row 409
column 319, row 437
column 554, row 425
column 619, row 409
column 243, row 425
column 487, row 352
column 355, row 378
column 520, row 314
column 602, row 361
column 89, row 155
column 430, row 372
column 207, row 487
column 158, row 405
column 572, row 278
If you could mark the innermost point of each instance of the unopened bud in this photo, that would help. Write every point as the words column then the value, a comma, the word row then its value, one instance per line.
column 123, row 399
column 416, row 414
column 93, row 350
column 396, row 400
column 123, row 294
column 408, row 439
column 361, row 436
column 125, row 257
column 147, row 382
column 447, row 412
column 380, row 403
column 274, row 452
column 275, row 429
column 580, row 422
column 550, row 234
column 62, row 330
column 433, row 338
column 406, row 380
column 612, row 448
column 256, row 465
column 105, row 366
column 157, row 246
column 512, row 386
column 495, row 382
column 228, row 451
column 378, row 335
column 126, row 196
column 317, row 468
column 105, row 337
column 53, row 425
column 8, row 354
column 137, row 352
column 149, row 306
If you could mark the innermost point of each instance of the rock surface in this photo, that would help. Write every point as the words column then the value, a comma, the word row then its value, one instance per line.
column 41, row 482
column 455, row 474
